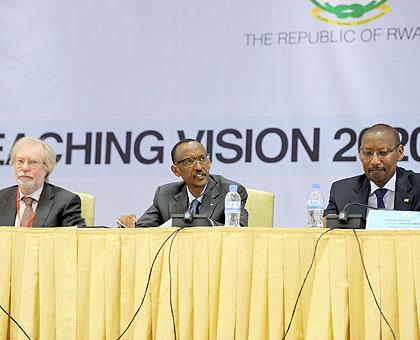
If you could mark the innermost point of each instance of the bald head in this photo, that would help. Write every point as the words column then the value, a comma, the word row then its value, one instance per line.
column 382, row 129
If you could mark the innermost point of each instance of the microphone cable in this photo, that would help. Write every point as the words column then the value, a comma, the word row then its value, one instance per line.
column 17, row 323
column 170, row 285
column 148, row 282
column 304, row 281
column 370, row 285
column 343, row 215
column 360, row 205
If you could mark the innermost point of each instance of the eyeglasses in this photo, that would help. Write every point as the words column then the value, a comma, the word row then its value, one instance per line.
column 190, row 161
column 19, row 163
column 381, row 154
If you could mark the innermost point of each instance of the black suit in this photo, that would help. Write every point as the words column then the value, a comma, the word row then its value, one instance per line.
column 357, row 189
column 172, row 198
column 56, row 207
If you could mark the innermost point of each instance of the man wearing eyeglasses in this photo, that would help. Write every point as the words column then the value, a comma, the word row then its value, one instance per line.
column 34, row 202
column 383, row 185
column 201, row 192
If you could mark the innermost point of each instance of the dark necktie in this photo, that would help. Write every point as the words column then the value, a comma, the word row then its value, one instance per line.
column 380, row 193
column 27, row 213
column 195, row 206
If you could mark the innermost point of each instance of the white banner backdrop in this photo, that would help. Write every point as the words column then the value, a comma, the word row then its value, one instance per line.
column 278, row 91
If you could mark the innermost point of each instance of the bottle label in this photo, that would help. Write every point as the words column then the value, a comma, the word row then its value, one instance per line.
column 232, row 205
column 315, row 206
column 315, row 203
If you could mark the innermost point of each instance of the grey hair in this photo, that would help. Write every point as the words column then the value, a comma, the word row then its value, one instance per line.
column 49, row 154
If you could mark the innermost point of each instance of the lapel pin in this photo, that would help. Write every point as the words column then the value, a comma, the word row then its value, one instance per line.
column 406, row 200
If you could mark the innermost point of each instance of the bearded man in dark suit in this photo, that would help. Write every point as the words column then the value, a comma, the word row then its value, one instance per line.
column 34, row 202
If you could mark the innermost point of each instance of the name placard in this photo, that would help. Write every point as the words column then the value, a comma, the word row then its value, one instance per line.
column 393, row 219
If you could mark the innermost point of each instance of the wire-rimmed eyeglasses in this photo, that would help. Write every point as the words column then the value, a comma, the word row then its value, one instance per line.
column 19, row 163
column 381, row 154
column 190, row 161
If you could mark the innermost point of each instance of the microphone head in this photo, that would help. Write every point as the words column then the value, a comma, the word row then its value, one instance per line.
column 343, row 217
column 188, row 217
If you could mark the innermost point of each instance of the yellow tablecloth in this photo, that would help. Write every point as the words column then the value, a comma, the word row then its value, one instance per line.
column 227, row 283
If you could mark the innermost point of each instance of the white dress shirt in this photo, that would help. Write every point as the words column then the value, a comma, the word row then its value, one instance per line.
column 389, row 197
column 35, row 197
column 191, row 197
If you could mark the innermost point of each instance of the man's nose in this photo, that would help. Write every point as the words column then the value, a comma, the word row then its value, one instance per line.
column 375, row 159
column 198, row 165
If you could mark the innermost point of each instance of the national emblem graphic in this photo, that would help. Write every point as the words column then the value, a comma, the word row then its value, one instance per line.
column 349, row 12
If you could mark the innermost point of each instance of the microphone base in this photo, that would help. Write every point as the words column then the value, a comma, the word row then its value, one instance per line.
column 197, row 221
column 355, row 221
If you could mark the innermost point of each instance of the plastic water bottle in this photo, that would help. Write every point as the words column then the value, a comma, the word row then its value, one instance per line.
column 315, row 207
column 232, row 207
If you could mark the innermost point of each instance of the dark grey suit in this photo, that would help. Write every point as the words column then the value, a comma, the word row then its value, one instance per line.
column 172, row 198
column 357, row 189
column 57, row 207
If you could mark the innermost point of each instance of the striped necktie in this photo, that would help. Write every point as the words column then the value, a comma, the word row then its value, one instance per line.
column 27, row 213
column 195, row 206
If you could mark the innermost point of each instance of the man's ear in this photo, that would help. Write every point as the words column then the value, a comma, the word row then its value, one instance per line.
column 400, row 152
column 359, row 156
column 175, row 170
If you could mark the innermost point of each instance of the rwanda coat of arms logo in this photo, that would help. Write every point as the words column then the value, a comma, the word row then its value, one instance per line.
column 349, row 12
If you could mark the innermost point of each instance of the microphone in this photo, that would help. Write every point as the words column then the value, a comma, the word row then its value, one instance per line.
column 188, row 216
column 348, row 221
column 188, row 219
column 343, row 216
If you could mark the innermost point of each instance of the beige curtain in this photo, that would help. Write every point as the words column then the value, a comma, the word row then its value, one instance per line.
column 227, row 283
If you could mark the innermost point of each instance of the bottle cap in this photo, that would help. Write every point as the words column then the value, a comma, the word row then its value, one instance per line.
column 316, row 186
column 233, row 187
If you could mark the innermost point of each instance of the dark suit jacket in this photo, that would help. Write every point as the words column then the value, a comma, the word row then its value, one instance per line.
column 172, row 198
column 357, row 189
column 57, row 207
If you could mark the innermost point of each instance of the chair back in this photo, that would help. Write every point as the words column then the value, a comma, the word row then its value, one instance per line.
column 260, row 206
column 88, row 207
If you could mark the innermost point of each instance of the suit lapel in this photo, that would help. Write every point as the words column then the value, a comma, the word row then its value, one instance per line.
column 403, row 197
column 179, row 203
column 46, row 202
column 209, row 199
column 8, row 208
column 362, row 191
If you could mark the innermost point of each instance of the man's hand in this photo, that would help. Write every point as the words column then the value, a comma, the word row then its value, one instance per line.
column 127, row 221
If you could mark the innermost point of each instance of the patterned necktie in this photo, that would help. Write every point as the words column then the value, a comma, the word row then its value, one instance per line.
column 380, row 193
column 195, row 206
column 28, row 212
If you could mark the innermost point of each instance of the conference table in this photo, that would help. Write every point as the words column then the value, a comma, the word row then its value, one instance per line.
column 208, row 283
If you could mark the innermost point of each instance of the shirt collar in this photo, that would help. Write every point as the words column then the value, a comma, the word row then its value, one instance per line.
column 35, row 195
column 390, row 185
column 191, row 197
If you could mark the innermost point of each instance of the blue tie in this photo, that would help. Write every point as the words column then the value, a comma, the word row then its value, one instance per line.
column 195, row 206
column 380, row 193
